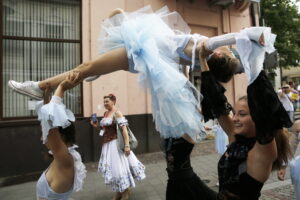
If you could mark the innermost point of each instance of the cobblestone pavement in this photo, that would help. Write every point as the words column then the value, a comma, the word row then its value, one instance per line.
column 204, row 161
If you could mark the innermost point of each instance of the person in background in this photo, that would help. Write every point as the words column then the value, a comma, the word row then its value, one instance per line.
column 119, row 168
column 286, row 101
column 294, row 95
column 295, row 163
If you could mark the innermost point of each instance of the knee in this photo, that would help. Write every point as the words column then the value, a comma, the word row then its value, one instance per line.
column 116, row 11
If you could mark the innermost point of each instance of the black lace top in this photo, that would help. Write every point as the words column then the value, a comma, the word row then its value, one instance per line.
column 234, row 181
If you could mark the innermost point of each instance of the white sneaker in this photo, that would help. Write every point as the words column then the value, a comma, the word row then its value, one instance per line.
column 28, row 88
column 91, row 78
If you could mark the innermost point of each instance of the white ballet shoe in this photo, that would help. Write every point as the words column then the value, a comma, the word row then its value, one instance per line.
column 28, row 88
column 91, row 78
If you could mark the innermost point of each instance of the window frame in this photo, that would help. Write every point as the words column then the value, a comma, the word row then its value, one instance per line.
column 4, row 37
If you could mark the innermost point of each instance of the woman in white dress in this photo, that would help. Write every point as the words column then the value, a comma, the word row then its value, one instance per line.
column 119, row 167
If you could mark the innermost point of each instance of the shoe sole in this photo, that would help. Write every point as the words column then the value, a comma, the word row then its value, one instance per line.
column 91, row 79
column 23, row 92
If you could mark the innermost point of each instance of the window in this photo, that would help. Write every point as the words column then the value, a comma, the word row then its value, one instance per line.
column 39, row 39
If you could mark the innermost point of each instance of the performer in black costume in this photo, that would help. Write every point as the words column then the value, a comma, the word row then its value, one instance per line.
column 258, row 143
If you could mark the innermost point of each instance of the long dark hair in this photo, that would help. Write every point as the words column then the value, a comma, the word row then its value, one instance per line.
column 68, row 134
column 223, row 68
column 284, row 153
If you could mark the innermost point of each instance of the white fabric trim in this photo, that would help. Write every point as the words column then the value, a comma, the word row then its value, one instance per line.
column 122, row 121
column 106, row 121
column 80, row 171
column 251, row 53
column 53, row 115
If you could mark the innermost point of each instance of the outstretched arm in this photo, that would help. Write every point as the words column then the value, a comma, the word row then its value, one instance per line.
column 55, row 142
column 254, row 33
column 71, row 81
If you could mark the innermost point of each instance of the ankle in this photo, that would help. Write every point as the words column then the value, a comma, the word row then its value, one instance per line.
column 39, row 85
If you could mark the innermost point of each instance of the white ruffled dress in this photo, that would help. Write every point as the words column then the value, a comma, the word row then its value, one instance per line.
column 53, row 115
column 119, row 170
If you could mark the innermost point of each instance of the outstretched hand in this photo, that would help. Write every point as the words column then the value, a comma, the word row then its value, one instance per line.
column 281, row 174
column 71, row 81
column 203, row 53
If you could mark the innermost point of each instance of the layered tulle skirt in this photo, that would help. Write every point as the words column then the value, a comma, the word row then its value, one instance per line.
column 221, row 139
column 148, row 38
column 119, row 170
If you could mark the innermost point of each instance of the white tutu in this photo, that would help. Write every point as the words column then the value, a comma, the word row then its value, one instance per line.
column 119, row 170
column 151, row 48
column 221, row 139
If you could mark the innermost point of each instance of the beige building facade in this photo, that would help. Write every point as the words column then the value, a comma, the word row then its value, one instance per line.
column 61, row 34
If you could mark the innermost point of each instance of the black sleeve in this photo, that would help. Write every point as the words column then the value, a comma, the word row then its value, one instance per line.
column 214, row 103
column 266, row 109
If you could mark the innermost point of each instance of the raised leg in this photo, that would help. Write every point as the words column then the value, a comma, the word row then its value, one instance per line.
column 111, row 61
column 106, row 63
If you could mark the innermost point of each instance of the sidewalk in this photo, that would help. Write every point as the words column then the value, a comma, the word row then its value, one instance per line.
column 204, row 162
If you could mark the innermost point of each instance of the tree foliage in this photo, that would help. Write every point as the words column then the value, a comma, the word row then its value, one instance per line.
column 282, row 16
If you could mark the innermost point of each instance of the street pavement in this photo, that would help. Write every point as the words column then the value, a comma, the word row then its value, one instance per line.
column 204, row 161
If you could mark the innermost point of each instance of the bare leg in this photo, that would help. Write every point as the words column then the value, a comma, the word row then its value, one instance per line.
column 108, row 62
column 117, row 196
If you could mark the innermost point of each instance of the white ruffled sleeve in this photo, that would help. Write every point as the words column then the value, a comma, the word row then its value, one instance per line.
column 80, row 170
column 122, row 121
column 53, row 115
column 251, row 53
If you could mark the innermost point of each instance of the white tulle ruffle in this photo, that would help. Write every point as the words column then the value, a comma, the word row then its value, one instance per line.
column 221, row 139
column 106, row 121
column 251, row 53
column 122, row 121
column 52, row 115
column 80, row 171
column 148, row 38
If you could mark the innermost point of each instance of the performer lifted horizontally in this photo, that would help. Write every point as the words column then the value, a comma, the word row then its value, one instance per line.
column 150, row 44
